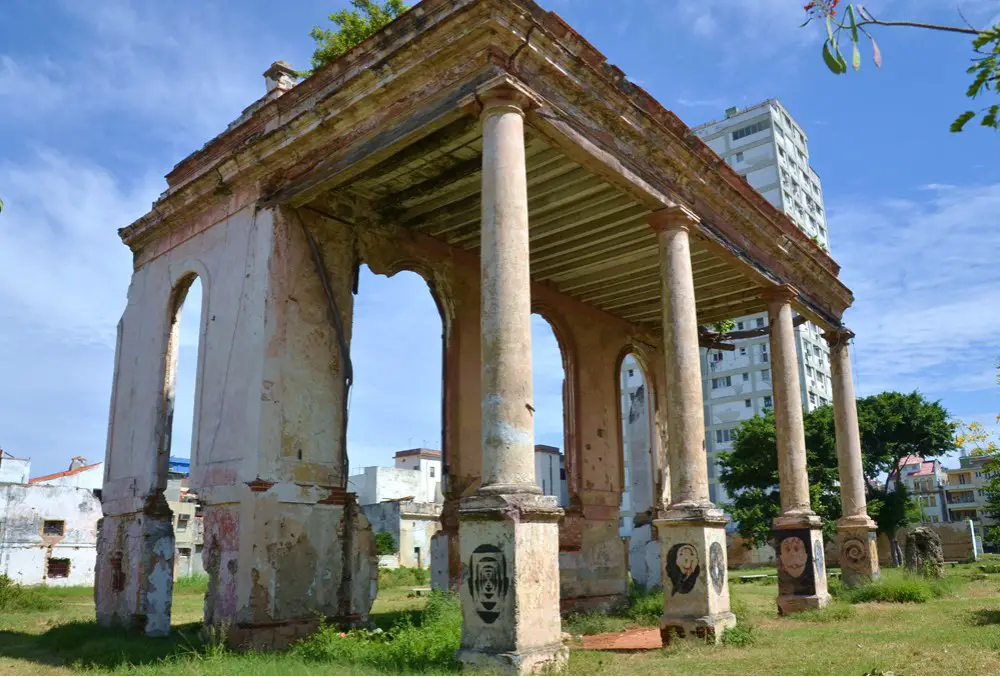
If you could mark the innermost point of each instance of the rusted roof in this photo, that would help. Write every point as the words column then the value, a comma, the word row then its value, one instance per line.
column 64, row 473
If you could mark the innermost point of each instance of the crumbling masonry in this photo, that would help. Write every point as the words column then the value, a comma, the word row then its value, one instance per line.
column 488, row 147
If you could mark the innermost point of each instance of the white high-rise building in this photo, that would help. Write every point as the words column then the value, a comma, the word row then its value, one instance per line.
column 767, row 147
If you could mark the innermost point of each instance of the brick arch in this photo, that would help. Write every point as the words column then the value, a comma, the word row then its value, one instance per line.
column 567, row 350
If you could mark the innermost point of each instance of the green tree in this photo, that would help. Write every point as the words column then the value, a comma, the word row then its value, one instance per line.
column 853, row 26
column 352, row 27
column 892, row 425
column 385, row 544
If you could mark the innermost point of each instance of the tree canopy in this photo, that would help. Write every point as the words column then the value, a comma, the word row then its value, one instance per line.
column 892, row 425
column 855, row 21
column 352, row 27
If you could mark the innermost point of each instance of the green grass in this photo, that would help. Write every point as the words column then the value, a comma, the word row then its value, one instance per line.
column 403, row 577
column 895, row 587
column 955, row 631
column 16, row 597
column 645, row 607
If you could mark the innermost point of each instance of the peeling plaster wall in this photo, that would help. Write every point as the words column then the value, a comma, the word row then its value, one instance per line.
column 411, row 524
column 24, row 549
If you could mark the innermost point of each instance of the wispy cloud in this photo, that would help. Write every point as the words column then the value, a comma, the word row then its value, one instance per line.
column 925, row 276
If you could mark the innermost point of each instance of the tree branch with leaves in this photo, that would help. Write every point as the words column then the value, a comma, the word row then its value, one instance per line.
column 855, row 21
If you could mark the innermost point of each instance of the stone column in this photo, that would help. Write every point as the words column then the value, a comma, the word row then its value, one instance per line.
column 798, row 530
column 691, row 529
column 508, row 531
column 856, row 535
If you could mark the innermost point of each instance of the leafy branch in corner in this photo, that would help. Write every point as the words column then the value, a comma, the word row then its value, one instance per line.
column 352, row 27
column 854, row 23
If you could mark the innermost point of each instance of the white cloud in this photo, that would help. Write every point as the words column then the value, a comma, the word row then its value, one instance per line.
column 190, row 74
column 65, row 269
column 925, row 274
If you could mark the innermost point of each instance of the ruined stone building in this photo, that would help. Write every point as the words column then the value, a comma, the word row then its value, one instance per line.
column 488, row 147
column 48, row 525
column 767, row 147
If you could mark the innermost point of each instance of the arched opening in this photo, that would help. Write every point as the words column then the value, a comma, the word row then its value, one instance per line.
column 181, row 407
column 548, row 372
column 394, row 430
column 638, row 469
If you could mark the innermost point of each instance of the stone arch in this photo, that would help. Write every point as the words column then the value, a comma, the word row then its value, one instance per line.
column 567, row 351
column 639, row 469
column 181, row 283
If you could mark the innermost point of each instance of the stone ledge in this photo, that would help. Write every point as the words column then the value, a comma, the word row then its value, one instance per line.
column 512, row 507
column 798, row 520
column 691, row 515
column 709, row 628
column 548, row 659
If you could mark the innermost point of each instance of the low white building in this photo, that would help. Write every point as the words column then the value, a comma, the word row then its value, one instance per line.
column 81, row 475
column 416, row 477
column 48, row 534
column 550, row 472
column 411, row 524
column 14, row 470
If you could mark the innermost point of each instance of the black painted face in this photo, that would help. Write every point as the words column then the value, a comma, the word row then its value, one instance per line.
column 682, row 568
column 488, row 582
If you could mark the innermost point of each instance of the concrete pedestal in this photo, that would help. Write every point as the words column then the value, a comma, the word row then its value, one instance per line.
column 856, row 545
column 510, row 584
column 694, row 573
column 801, row 565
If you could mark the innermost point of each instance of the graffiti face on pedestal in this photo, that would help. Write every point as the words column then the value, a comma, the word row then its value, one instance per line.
column 794, row 556
column 488, row 581
column 853, row 553
column 682, row 568
column 717, row 567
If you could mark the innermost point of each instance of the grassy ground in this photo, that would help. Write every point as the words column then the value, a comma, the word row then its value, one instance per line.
column 955, row 631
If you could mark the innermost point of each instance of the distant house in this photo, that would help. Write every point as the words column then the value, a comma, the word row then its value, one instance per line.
column 13, row 469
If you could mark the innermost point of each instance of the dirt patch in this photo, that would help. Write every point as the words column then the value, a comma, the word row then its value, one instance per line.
column 637, row 639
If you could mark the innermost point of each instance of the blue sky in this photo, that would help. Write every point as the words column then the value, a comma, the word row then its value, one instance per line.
column 98, row 100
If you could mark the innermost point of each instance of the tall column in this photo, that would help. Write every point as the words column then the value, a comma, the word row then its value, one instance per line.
column 691, row 529
column 508, row 531
column 856, row 535
column 798, row 530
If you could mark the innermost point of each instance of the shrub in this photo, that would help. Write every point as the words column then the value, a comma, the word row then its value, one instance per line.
column 741, row 635
column 192, row 583
column 385, row 544
column 893, row 591
column 645, row 605
column 402, row 577
column 16, row 597
column 425, row 643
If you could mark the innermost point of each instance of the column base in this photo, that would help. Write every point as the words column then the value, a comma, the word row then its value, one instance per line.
column 858, row 551
column 546, row 659
column 694, row 573
column 801, row 563
column 509, row 547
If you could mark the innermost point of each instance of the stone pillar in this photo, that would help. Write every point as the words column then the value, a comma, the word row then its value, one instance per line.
column 856, row 535
column 798, row 530
column 691, row 529
column 508, row 531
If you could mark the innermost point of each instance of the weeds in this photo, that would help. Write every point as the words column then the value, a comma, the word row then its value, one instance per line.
column 741, row 635
column 427, row 641
column 905, row 590
column 192, row 583
column 645, row 608
column 837, row 611
column 16, row 597
column 403, row 577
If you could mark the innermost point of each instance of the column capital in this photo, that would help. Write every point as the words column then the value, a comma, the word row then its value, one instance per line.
column 838, row 336
column 780, row 292
column 674, row 217
column 500, row 94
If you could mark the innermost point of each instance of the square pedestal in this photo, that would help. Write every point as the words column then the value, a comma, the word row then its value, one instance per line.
column 509, row 546
column 694, row 574
column 801, row 569
column 858, row 555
